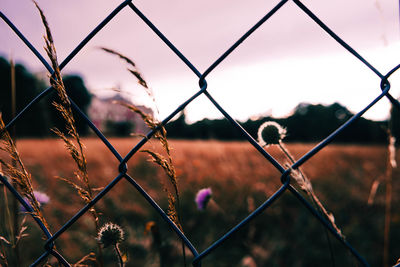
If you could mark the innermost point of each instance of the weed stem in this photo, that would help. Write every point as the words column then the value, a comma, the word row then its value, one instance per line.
column 120, row 260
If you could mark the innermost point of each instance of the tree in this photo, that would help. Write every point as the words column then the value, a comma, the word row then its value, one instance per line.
column 315, row 122
column 34, row 122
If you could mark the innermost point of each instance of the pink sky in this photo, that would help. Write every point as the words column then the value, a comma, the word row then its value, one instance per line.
column 287, row 61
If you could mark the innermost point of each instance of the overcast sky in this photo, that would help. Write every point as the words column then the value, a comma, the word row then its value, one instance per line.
column 287, row 61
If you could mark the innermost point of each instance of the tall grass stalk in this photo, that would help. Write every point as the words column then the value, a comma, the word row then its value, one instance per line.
column 3, row 257
column 271, row 133
column 18, row 173
column 161, row 135
column 7, row 227
column 22, row 182
column 13, row 134
column 306, row 185
column 391, row 165
column 74, row 147
column 388, row 201
column 11, row 221
column 387, row 179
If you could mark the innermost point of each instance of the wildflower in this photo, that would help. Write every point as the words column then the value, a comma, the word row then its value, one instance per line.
column 42, row 199
column 110, row 234
column 202, row 198
column 270, row 133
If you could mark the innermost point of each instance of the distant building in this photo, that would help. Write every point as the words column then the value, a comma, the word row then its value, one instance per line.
column 102, row 111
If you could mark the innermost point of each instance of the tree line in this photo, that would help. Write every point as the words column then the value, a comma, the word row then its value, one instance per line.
column 307, row 123
column 42, row 116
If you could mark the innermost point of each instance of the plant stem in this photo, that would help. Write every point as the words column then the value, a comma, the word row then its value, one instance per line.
column 313, row 197
column 286, row 152
column 184, row 254
column 388, row 208
column 100, row 257
column 180, row 220
column 391, row 164
column 7, row 217
column 308, row 188
column 121, row 262
column 16, row 227
column 13, row 134
column 8, row 214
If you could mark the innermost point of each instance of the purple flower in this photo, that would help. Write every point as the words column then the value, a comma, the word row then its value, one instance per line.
column 202, row 198
column 41, row 197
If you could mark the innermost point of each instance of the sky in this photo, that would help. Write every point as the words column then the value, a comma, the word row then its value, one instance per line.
column 287, row 61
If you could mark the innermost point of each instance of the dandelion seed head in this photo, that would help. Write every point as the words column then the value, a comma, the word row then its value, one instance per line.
column 110, row 234
column 270, row 133
column 203, row 197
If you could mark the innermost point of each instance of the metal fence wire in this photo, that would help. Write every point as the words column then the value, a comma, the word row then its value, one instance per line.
column 285, row 188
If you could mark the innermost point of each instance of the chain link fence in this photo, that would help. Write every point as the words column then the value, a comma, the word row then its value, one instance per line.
column 285, row 188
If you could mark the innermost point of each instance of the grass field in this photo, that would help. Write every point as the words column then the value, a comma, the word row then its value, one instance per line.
column 241, row 179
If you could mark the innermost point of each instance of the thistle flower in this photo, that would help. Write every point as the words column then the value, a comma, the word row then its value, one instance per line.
column 270, row 133
column 42, row 199
column 203, row 197
column 110, row 234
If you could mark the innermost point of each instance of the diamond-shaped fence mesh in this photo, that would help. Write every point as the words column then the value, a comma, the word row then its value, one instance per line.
column 285, row 171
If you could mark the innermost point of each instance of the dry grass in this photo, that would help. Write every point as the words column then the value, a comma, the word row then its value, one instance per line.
column 240, row 178
column 198, row 161
column 71, row 138
column 15, row 169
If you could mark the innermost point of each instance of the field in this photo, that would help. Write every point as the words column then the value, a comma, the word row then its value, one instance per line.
column 241, row 179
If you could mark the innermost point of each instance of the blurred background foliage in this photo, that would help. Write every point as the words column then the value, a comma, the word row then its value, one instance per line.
column 42, row 116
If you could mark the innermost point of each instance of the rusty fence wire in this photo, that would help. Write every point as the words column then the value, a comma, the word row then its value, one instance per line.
column 286, row 188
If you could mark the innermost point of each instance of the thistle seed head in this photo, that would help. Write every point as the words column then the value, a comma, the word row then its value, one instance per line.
column 110, row 234
column 270, row 133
